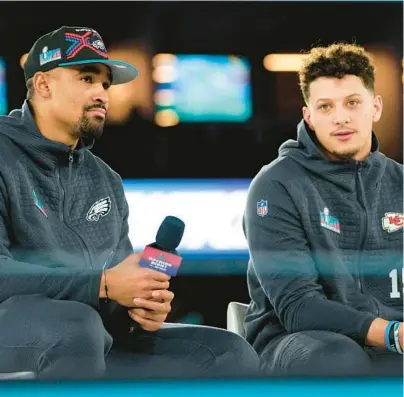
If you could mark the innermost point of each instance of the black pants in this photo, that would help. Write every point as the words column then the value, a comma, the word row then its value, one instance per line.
column 322, row 353
column 66, row 339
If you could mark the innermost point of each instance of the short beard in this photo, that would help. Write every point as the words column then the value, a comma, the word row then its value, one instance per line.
column 345, row 156
column 90, row 129
column 336, row 156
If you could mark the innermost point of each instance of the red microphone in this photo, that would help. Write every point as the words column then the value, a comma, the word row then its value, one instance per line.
column 161, row 255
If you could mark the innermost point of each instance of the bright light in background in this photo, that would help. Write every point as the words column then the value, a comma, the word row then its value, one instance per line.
column 137, row 95
column 201, row 88
column 164, row 97
column 164, row 74
column 166, row 118
column 3, row 88
column 283, row 62
column 402, row 76
column 163, row 59
column 196, row 203
column 164, row 68
column 23, row 59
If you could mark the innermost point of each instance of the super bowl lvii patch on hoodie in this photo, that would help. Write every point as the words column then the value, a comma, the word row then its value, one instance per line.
column 38, row 203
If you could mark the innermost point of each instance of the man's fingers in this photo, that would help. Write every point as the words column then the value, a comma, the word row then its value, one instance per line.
column 158, row 295
column 155, row 275
column 146, row 314
column 146, row 324
column 156, row 285
column 157, row 307
column 163, row 295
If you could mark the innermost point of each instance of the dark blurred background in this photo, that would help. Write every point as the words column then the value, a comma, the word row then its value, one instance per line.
column 154, row 131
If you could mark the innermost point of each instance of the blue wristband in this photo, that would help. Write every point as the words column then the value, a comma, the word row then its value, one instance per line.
column 396, row 338
column 387, row 336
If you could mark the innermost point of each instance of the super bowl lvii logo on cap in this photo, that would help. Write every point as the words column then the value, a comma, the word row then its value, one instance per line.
column 49, row 55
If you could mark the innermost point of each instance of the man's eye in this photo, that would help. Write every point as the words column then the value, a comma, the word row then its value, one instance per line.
column 87, row 79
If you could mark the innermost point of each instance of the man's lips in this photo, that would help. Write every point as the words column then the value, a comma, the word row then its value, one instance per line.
column 343, row 135
column 98, row 111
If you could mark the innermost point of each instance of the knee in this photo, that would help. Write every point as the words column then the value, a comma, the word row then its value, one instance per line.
column 67, row 336
column 80, row 315
column 324, row 353
column 68, row 326
column 83, row 331
column 239, row 346
column 80, row 343
column 345, row 355
column 232, row 352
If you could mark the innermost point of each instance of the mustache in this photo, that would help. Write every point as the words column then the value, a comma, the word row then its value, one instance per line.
column 87, row 109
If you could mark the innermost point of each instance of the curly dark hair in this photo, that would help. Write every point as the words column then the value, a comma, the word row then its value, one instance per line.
column 336, row 60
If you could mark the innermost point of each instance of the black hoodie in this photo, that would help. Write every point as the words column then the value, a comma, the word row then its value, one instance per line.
column 325, row 241
column 63, row 215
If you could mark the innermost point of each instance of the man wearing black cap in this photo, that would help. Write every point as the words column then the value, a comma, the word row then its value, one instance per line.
column 73, row 300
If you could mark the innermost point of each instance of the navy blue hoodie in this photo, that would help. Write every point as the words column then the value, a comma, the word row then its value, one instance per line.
column 325, row 241
column 63, row 215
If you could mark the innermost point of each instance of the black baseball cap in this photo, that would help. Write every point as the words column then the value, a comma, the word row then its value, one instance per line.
column 68, row 46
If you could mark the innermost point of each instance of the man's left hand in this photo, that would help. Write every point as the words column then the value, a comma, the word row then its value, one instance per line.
column 150, row 314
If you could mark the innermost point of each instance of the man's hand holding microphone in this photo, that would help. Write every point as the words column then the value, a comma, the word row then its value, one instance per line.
column 141, row 281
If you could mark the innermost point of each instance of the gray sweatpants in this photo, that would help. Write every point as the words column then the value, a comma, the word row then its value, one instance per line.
column 67, row 339
column 323, row 353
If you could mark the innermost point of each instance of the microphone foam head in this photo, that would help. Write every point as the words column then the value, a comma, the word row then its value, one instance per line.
column 170, row 233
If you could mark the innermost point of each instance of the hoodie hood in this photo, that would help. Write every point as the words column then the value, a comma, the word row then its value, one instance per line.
column 20, row 127
column 306, row 151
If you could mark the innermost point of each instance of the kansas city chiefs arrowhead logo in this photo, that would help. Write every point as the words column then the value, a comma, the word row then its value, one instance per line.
column 98, row 209
column 392, row 221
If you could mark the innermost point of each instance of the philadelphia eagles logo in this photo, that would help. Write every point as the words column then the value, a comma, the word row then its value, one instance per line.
column 98, row 209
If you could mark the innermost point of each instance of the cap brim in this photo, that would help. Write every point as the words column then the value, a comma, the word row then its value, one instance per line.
column 122, row 72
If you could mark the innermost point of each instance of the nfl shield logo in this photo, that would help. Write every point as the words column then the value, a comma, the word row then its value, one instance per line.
column 262, row 207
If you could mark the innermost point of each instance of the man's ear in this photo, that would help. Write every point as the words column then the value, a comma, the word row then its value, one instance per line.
column 307, row 116
column 41, row 85
column 377, row 108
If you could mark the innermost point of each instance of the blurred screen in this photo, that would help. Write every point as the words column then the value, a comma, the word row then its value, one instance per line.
column 3, row 88
column 211, row 209
column 204, row 88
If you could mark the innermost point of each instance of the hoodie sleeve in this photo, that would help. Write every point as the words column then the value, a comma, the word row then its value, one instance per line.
column 125, row 247
column 21, row 278
column 116, row 314
column 282, row 261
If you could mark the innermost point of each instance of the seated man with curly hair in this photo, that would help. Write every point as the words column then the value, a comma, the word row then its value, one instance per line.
column 324, row 224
